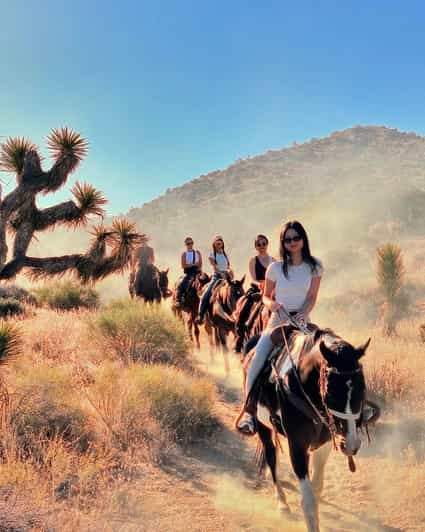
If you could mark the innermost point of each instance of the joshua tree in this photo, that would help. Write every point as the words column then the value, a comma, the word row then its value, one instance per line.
column 20, row 215
column 390, row 274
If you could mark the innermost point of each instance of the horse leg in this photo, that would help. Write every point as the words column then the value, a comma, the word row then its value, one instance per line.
column 320, row 457
column 221, row 340
column 299, row 459
column 209, row 332
column 269, row 457
column 196, row 330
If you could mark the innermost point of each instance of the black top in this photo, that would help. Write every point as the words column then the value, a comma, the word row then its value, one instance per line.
column 260, row 270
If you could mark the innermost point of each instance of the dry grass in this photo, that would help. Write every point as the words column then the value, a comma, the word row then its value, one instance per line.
column 76, row 425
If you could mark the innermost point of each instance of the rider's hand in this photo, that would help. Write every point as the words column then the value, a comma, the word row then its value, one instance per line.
column 300, row 318
column 275, row 306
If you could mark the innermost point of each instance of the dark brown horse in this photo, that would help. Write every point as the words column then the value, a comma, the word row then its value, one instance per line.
column 315, row 397
column 190, row 305
column 219, row 320
column 150, row 283
column 250, row 318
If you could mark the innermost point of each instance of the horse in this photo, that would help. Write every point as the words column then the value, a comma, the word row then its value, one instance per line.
column 315, row 398
column 190, row 304
column 150, row 283
column 249, row 318
column 219, row 319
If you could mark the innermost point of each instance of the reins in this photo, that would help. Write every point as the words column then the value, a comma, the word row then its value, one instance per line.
column 324, row 370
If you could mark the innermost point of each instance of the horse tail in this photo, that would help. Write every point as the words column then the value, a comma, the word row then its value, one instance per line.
column 260, row 456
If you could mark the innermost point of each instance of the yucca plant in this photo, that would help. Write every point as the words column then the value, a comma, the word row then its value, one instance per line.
column 110, row 249
column 10, row 342
column 390, row 275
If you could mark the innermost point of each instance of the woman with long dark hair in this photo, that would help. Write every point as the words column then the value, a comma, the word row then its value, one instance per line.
column 220, row 262
column 292, row 284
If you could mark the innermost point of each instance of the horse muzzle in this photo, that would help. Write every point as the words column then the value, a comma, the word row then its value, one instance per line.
column 350, row 445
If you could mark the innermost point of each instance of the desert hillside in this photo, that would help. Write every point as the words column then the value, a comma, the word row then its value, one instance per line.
column 352, row 189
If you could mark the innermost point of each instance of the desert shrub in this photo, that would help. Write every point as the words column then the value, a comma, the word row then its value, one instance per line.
column 152, row 405
column 135, row 332
column 389, row 381
column 182, row 403
column 10, row 307
column 66, row 295
column 12, row 291
column 45, row 407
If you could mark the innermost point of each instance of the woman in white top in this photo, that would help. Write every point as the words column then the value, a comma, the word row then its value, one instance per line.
column 191, row 262
column 291, row 284
column 220, row 263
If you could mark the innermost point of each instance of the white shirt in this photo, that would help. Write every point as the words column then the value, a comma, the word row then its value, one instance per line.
column 292, row 291
column 192, row 257
column 221, row 261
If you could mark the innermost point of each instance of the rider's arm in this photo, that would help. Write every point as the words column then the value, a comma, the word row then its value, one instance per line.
column 199, row 260
column 252, row 272
column 183, row 260
column 213, row 263
column 268, row 296
column 133, row 261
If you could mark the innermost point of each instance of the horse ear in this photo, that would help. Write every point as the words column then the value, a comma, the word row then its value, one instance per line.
column 361, row 350
column 242, row 280
column 327, row 353
column 166, row 271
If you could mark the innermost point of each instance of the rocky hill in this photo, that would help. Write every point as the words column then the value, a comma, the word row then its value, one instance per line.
column 354, row 188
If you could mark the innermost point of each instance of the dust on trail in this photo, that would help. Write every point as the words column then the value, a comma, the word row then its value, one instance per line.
column 214, row 485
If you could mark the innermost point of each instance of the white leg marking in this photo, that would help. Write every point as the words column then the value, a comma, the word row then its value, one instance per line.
column 320, row 458
column 309, row 505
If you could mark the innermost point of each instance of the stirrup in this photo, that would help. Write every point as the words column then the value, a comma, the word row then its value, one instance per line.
column 247, row 425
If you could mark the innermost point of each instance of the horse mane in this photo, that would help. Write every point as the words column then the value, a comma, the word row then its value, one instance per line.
column 302, row 344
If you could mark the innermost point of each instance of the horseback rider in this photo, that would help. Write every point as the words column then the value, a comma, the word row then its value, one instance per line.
column 191, row 262
column 291, row 284
column 141, row 257
column 220, row 262
column 260, row 262
column 257, row 270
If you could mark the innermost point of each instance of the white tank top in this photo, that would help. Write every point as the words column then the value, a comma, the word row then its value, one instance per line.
column 192, row 257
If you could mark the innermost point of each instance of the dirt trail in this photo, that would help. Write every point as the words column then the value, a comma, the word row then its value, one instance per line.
column 214, row 486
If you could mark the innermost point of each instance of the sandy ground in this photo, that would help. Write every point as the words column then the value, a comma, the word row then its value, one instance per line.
column 214, row 486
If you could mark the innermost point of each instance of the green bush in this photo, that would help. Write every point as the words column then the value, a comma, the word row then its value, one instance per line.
column 66, row 295
column 46, row 407
column 135, row 332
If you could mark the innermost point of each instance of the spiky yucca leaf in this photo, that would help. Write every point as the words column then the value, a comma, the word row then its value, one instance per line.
column 10, row 342
column 12, row 154
column 97, row 249
column 65, row 142
column 89, row 200
column 124, row 239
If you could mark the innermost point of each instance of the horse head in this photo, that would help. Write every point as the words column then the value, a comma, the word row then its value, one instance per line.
column 343, row 390
column 163, row 283
column 235, row 290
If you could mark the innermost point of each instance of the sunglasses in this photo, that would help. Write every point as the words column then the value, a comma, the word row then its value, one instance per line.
column 189, row 243
column 261, row 244
column 289, row 239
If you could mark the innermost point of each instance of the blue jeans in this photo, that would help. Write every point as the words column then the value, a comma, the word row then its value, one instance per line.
column 207, row 294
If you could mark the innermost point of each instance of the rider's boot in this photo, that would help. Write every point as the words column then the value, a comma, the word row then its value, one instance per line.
column 248, row 422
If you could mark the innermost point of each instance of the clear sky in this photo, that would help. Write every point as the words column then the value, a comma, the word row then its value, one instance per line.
column 168, row 90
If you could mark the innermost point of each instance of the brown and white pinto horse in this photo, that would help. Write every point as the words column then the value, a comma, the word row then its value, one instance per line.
column 190, row 305
column 219, row 319
column 317, row 397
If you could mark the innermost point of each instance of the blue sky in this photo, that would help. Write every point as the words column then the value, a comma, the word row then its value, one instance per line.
column 168, row 90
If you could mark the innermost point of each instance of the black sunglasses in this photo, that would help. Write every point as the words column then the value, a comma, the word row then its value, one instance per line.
column 289, row 239
column 261, row 244
column 189, row 242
